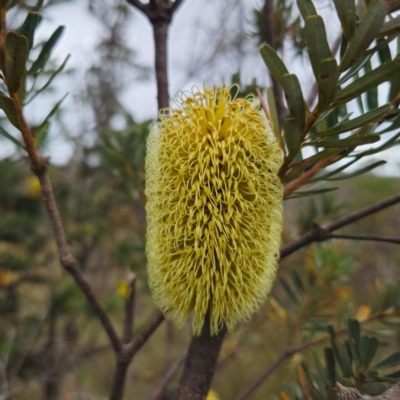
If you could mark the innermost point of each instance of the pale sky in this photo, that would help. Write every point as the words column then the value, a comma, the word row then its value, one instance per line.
column 188, row 43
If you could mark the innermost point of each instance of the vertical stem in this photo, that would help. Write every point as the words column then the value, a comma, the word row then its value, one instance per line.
column 160, row 31
column 200, row 364
column 118, row 384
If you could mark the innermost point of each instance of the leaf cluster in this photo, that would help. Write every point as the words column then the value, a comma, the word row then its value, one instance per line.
column 328, row 128
column 351, row 362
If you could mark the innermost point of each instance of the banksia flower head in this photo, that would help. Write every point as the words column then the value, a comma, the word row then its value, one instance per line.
column 214, row 209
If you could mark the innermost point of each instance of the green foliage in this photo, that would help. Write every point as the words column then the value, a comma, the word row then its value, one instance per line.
column 327, row 118
column 349, row 362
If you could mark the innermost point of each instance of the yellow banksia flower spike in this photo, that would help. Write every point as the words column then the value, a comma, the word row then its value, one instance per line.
column 214, row 209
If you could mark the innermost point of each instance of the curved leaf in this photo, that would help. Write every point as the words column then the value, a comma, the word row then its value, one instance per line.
column 390, row 361
column 274, row 116
column 294, row 98
column 307, row 193
column 371, row 116
column 17, row 54
column 47, row 48
column 346, row 10
column 274, row 63
column 306, row 8
column 365, row 33
column 383, row 73
column 391, row 27
column 9, row 107
column 327, row 79
column 351, row 141
column 28, row 27
column 358, row 172
column 292, row 136
column 317, row 43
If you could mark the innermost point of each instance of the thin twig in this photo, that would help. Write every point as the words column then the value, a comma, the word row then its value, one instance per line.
column 361, row 237
column 145, row 334
column 129, row 310
column 159, row 390
column 263, row 105
column 175, row 5
column 314, row 234
column 306, row 176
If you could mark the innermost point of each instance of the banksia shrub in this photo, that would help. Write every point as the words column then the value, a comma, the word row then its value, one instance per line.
column 214, row 209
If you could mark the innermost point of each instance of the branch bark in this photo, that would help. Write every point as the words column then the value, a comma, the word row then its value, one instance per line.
column 344, row 393
column 200, row 364
column 129, row 311
column 314, row 234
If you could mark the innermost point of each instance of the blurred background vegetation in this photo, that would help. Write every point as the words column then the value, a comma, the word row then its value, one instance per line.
column 51, row 346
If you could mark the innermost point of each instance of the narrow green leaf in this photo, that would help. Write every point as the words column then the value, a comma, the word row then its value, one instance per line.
column 289, row 290
column 373, row 388
column 47, row 48
column 365, row 33
column 11, row 138
column 395, row 374
column 371, row 350
column 390, row 361
column 9, row 107
column 17, row 49
column 28, row 27
column 391, row 27
column 351, row 141
column 371, row 116
column 274, row 63
column 297, row 281
column 358, row 172
column 308, row 193
column 389, row 143
column 372, row 94
column 317, row 43
column 345, row 360
column 334, row 172
column 39, row 5
column 47, row 84
column 327, row 79
column 346, row 10
column 395, row 124
column 354, row 69
column 294, row 98
column 323, row 116
column 43, row 126
column 384, row 53
column 354, row 331
column 306, row 8
column 330, row 365
column 299, row 167
column 395, row 83
column 274, row 116
column 381, row 74
column 292, row 136
column 343, row 46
